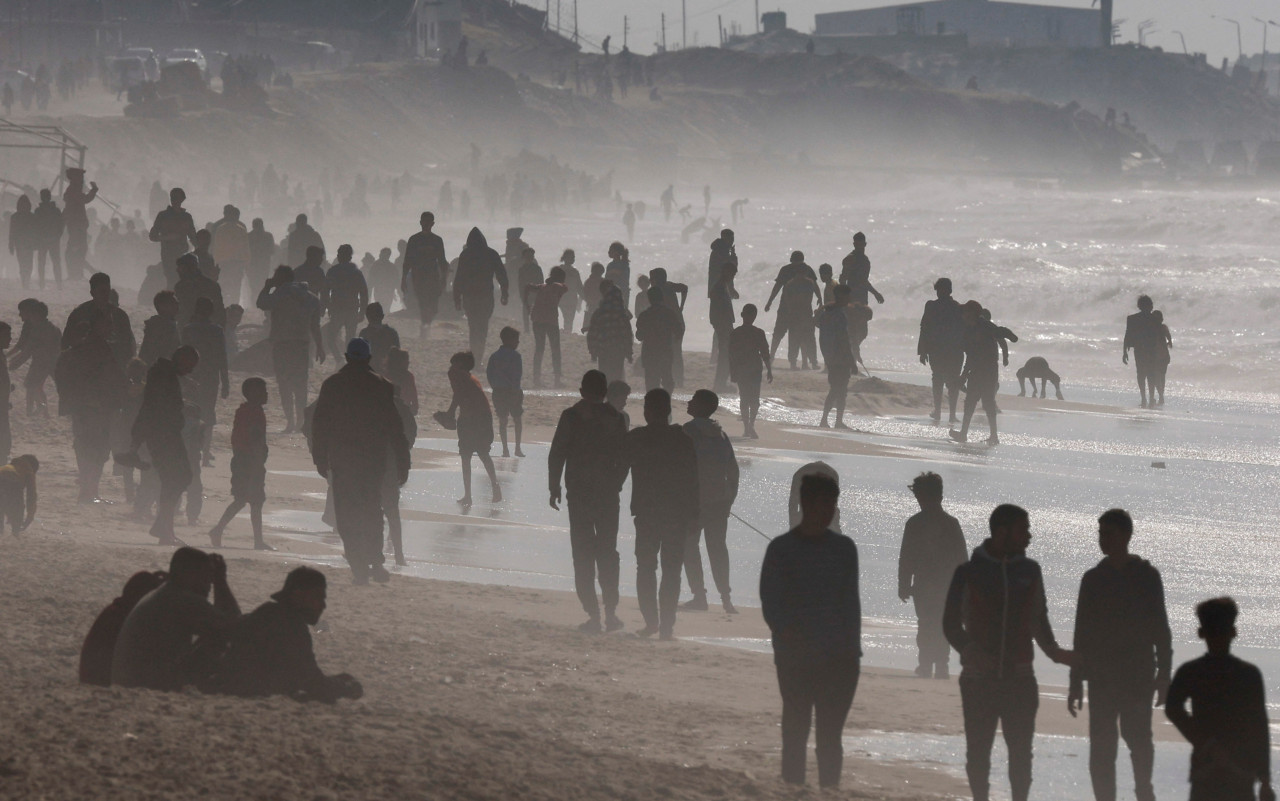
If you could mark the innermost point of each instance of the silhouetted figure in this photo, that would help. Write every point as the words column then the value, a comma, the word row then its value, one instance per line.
column 664, row 502
column 6, row 395
column 19, row 498
column 346, row 296
column 262, row 248
column 75, row 200
column 48, row 226
column 809, row 597
column 312, row 273
column 231, row 251
column 100, row 643
column 23, row 238
column 933, row 547
column 995, row 609
column 174, row 637
column 1037, row 369
column 354, row 426
column 160, row 333
column 572, row 300
column 629, row 222
column 270, row 652
column 302, row 238
column 1227, row 726
column 795, row 312
column 248, row 463
column 91, row 390
column 588, row 448
column 159, row 427
column 479, row 267
column 1160, row 364
column 942, row 346
column 1141, row 335
column 194, row 284
column 40, row 343
column 425, row 269
column 717, row 491
column 176, row 232
column 381, row 337
column 674, row 295
column 833, row 337
column 294, row 314
column 795, row 266
column 855, row 272
column 505, row 373
column 474, row 423
column 981, row 369
column 722, row 318
column 749, row 362
column 610, row 339
column 210, row 342
column 1124, row 651
column 658, row 328
column 618, row 270
column 543, row 301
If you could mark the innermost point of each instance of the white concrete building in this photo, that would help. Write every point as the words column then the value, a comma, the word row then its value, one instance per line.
column 984, row 22
column 436, row 26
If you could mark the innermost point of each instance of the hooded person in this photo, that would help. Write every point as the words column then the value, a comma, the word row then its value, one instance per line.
column 717, row 491
column 479, row 267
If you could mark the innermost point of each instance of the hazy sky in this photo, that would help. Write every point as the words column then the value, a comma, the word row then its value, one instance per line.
column 1193, row 17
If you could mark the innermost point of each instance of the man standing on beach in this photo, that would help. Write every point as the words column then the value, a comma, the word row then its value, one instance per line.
column 479, row 266
column 123, row 345
column 587, row 448
column 809, row 597
column 159, row 426
column 664, row 502
column 75, row 201
column 855, row 272
column 995, row 614
column 1124, row 650
column 942, row 346
column 717, row 491
column 174, row 636
column 1141, row 335
column 981, row 374
column 356, row 424
column 722, row 318
column 425, row 267
column 175, row 231
column 294, row 313
column 932, row 548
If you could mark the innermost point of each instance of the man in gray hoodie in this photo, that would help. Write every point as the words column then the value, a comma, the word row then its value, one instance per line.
column 1125, row 652
column 717, row 490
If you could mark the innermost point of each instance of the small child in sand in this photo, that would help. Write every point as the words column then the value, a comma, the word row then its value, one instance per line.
column 248, row 463
column 18, row 493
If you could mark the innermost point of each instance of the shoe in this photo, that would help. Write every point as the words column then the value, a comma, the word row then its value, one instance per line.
column 592, row 626
column 935, row 415
column 379, row 574
column 842, row 425
column 667, row 636
column 924, row 671
column 612, row 623
column 958, row 436
column 401, row 561
column 697, row 604
column 647, row 631
column 993, row 440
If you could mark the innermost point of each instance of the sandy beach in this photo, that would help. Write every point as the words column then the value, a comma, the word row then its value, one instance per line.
column 472, row 691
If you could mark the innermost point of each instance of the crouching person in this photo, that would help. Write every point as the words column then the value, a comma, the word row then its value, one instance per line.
column 270, row 651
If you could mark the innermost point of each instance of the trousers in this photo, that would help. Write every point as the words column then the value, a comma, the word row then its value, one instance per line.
column 821, row 689
column 357, row 511
column 1115, row 711
column 593, row 537
column 930, row 639
column 659, row 539
column 1011, row 704
column 715, row 525
column 544, row 334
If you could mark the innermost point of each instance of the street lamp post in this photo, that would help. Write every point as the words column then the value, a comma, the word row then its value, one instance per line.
column 1239, row 34
column 1264, row 42
column 1184, row 42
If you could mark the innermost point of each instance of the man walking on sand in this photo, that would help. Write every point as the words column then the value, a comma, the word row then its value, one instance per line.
column 995, row 615
column 425, row 268
column 1124, row 651
column 717, row 491
column 932, row 548
column 587, row 448
column 355, row 425
column 809, row 597
column 664, row 502
column 159, row 426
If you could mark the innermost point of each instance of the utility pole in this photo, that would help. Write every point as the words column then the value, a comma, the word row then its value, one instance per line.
column 757, row 16
column 575, row 21
column 664, row 32
column 720, row 27
column 684, row 24
column 625, row 27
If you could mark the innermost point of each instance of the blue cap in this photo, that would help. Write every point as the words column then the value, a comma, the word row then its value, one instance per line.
column 359, row 349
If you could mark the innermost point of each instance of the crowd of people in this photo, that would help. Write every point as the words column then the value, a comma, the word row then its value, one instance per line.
column 150, row 407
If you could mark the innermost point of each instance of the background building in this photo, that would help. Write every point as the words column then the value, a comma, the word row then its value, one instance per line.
column 983, row 22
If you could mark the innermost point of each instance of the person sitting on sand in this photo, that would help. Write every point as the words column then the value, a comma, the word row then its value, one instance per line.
column 475, row 423
column 1037, row 369
column 100, row 642
column 270, row 651
column 174, row 636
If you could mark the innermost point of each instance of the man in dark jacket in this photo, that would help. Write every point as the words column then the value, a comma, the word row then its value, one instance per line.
column 479, row 266
column 809, row 597
column 91, row 389
column 425, row 268
column 1124, row 650
column 932, row 548
column 588, row 448
column 159, row 427
column 664, row 502
column 123, row 345
column 717, row 490
column 356, row 424
column 270, row 651
column 996, row 612
column 302, row 238
column 942, row 346
column 658, row 328
column 193, row 284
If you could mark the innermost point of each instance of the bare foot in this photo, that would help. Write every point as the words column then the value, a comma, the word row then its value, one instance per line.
column 841, row 424
column 261, row 545
column 519, row 453
column 497, row 495
column 465, row 500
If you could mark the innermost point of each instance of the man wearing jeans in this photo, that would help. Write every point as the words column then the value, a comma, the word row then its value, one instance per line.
column 995, row 611
column 587, row 449
column 809, row 596
column 664, row 501
column 1124, row 650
